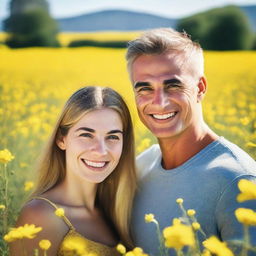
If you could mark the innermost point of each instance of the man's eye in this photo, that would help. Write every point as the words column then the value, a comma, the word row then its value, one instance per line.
column 113, row 137
column 173, row 86
column 144, row 89
column 87, row 135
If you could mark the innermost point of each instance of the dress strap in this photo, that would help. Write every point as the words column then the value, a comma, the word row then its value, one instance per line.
column 66, row 220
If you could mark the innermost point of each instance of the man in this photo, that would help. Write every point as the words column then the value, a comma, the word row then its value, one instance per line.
column 191, row 161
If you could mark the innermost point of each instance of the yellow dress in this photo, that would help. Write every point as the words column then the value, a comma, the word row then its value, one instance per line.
column 74, row 240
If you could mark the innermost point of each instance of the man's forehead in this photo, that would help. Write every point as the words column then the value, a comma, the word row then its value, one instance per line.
column 169, row 64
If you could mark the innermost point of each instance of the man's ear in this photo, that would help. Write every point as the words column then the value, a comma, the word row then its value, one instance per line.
column 201, row 88
column 61, row 143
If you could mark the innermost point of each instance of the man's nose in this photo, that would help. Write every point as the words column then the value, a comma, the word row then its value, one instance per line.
column 160, row 98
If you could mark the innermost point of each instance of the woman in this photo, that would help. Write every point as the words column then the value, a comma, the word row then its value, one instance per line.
column 88, row 170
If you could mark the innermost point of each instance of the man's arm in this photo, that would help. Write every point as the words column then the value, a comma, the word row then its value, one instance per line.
column 229, row 227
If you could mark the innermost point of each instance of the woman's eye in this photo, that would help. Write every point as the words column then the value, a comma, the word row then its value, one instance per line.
column 113, row 137
column 87, row 135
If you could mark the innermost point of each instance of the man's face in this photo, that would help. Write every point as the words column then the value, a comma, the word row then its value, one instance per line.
column 166, row 93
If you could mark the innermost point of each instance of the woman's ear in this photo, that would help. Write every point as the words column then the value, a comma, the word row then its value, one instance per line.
column 201, row 88
column 61, row 143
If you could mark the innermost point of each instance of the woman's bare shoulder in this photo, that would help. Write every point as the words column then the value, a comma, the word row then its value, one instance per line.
column 41, row 214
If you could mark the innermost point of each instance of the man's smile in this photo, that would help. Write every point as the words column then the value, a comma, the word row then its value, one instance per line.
column 164, row 116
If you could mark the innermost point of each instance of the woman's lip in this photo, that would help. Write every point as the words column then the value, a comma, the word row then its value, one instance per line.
column 95, row 164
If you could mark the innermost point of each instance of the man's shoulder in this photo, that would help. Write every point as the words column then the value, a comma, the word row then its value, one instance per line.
column 147, row 159
column 234, row 158
column 226, row 162
column 153, row 150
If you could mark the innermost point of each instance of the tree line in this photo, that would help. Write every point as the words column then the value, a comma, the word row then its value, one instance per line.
column 227, row 28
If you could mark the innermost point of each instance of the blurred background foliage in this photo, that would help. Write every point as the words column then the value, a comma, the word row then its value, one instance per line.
column 30, row 24
column 225, row 28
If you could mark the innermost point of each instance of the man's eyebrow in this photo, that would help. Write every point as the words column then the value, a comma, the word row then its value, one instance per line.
column 85, row 129
column 115, row 131
column 172, row 81
column 141, row 84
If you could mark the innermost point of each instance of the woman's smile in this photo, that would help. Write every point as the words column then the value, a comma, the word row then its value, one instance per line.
column 95, row 165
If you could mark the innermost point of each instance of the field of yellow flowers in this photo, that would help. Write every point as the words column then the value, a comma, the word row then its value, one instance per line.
column 35, row 83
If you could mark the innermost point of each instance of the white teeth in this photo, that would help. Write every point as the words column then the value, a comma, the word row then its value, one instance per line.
column 165, row 116
column 94, row 164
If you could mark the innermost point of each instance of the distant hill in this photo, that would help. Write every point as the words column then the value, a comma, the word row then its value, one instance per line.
column 116, row 20
column 121, row 20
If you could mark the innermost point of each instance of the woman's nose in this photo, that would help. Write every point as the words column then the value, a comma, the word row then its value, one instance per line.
column 100, row 147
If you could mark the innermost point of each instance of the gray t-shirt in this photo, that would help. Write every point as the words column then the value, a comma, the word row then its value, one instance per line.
column 207, row 182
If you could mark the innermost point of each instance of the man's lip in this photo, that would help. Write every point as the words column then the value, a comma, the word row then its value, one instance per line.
column 163, row 116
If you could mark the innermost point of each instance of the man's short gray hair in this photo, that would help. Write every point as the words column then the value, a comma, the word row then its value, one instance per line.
column 164, row 40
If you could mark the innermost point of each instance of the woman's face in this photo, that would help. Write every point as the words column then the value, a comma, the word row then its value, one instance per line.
column 94, row 145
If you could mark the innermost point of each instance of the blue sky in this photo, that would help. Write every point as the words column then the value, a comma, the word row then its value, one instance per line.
column 167, row 8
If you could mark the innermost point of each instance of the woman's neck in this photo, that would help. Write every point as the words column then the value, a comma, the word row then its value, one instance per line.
column 71, row 193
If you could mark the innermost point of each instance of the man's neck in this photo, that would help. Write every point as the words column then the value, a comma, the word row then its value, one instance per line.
column 179, row 149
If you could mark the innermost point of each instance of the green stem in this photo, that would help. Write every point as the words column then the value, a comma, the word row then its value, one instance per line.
column 179, row 252
column 246, row 243
column 162, row 249
column 36, row 252
column 5, row 215
column 23, row 248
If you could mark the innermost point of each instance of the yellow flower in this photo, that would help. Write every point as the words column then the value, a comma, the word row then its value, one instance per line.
column 60, row 212
column 178, row 235
column 246, row 216
column 45, row 244
column 196, row 225
column 214, row 245
column 251, row 144
column 13, row 235
column 5, row 156
column 23, row 165
column 191, row 212
column 179, row 201
column 120, row 248
column 2, row 207
column 176, row 221
column 245, row 121
column 206, row 253
column 149, row 217
column 130, row 254
column 137, row 251
column 248, row 190
column 75, row 244
column 26, row 231
column 28, row 185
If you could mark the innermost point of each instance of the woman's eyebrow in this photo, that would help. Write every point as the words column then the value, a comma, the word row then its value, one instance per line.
column 115, row 131
column 85, row 129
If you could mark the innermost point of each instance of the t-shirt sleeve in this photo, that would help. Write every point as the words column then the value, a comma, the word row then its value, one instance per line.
column 146, row 159
column 228, row 226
